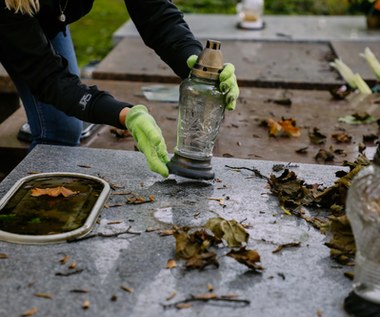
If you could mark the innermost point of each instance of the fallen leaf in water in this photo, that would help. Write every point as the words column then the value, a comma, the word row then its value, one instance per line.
column 229, row 230
column 53, row 192
column 30, row 312
column 283, row 128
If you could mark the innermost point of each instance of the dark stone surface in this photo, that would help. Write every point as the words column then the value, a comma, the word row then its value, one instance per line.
column 296, row 282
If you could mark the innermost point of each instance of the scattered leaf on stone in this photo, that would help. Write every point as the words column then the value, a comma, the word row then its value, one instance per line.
column 286, row 245
column 349, row 275
column 3, row 256
column 30, row 312
column 191, row 245
column 220, row 200
column 342, row 244
column 171, row 264
column 210, row 287
column 250, row 258
column 229, row 230
column 53, row 192
column 283, row 128
column 137, row 200
column 325, row 155
column 367, row 138
column 73, row 265
column 120, row 133
column 358, row 118
column 202, row 260
column 127, row 288
column 316, row 137
column 205, row 296
column 86, row 304
column 64, row 259
column 171, row 296
column 294, row 193
column 168, row 232
column 282, row 102
column 183, row 305
column 43, row 295
column 302, row 150
column 342, row 137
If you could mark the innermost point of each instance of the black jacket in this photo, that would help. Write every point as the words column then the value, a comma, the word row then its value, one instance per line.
column 25, row 45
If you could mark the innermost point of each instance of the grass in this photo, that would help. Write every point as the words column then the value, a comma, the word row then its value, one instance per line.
column 92, row 35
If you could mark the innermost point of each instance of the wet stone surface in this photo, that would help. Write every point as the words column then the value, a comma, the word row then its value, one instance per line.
column 300, row 281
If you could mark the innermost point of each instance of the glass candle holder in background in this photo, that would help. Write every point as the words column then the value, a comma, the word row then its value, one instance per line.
column 363, row 211
column 250, row 14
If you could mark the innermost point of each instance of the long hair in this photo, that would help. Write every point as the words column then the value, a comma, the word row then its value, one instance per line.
column 29, row 7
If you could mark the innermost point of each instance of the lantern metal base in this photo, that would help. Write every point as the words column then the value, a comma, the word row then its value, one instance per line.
column 186, row 167
column 357, row 306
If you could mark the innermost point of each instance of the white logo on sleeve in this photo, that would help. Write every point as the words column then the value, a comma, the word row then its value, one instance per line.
column 84, row 100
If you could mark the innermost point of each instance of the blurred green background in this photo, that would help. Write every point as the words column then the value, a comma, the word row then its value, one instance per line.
column 92, row 35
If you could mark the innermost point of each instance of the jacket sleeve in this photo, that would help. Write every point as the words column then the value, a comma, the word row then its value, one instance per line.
column 25, row 48
column 162, row 28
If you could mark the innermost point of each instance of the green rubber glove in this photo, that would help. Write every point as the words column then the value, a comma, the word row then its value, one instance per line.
column 148, row 137
column 228, row 83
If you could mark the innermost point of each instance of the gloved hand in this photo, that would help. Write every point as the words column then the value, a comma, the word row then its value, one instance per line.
column 148, row 137
column 228, row 83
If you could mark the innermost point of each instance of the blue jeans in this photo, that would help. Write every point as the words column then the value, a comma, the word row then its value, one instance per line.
column 49, row 125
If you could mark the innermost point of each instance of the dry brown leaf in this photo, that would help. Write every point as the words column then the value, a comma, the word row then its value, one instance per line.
column 86, row 304
column 30, row 312
column 64, row 259
column 127, row 288
column 43, row 295
column 168, row 232
column 210, row 287
column 73, row 265
column 206, row 296
column 53, row 192
column 250, row 258
column 283, row 128
column 220, row 200
column 3, row 256
column 183, row 305
column 171, row 264
column 286, row 245
column 171, row 296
